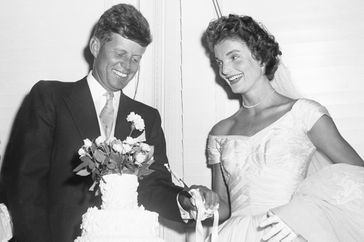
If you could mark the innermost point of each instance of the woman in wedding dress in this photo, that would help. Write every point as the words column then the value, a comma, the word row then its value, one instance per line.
column 261, row 154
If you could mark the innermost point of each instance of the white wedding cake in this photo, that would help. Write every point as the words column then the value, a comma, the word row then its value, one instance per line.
column 119, row 219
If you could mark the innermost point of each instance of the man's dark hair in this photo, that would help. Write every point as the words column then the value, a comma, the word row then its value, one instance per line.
column 125, row 20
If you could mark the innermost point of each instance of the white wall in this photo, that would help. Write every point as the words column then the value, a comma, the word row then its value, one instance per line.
column 40, row 40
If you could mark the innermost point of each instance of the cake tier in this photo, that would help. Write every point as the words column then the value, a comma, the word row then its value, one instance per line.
column 119, row 219
column 119, row 191
column 119, row 225
column 116, row 239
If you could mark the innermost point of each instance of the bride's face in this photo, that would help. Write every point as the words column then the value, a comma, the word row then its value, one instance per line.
column 237, row 65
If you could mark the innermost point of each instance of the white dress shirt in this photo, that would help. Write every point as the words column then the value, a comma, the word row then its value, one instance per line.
column 98, row 96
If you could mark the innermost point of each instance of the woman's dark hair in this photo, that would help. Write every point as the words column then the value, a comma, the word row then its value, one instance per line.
column 262, row 44
column 126, row 20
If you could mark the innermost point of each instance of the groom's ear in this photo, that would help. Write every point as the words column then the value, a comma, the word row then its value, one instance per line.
column 94, row 45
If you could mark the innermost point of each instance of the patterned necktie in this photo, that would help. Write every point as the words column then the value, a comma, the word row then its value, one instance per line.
column 107, row 114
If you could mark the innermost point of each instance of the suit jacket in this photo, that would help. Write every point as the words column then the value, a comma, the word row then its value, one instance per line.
column 45, row 197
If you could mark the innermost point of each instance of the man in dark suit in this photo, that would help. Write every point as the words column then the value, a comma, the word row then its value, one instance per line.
column 45, row 197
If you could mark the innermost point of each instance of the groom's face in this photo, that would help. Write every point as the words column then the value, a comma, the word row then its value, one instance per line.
column 116, row 61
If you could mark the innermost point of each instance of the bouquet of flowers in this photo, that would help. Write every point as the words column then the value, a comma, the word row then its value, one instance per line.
column 130, row 156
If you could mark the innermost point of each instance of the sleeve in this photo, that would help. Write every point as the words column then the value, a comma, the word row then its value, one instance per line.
column 26, row 165
column 184, row 214
column 156, row 191
column 309, row 112
column 213, row 150
column 329, row 205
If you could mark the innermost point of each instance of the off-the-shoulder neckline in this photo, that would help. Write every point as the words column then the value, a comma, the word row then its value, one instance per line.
column 261, row 130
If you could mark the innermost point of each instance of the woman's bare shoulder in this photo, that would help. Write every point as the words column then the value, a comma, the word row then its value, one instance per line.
column 223, row 127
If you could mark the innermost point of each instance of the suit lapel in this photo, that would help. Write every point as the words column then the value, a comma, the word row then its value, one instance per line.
column 82, row 109
column 81, row 106
column 122, row 127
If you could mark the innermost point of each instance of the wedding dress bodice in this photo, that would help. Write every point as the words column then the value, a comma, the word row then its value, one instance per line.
column 263, row 171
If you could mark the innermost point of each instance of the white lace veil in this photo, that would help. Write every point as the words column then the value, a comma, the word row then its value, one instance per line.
column 283, row 84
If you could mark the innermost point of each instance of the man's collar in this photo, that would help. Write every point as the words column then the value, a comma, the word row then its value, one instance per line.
column 94, row 85
column 98, row 90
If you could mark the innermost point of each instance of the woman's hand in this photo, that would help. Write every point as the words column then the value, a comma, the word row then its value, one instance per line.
column 188, row 199
column 209, row 197
column 276, row 230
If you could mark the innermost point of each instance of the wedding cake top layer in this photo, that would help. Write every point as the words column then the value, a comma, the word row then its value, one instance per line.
column 119, row 191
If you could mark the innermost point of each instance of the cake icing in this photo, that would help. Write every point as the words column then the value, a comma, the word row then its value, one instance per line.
column 120, row 218
column 119, row 192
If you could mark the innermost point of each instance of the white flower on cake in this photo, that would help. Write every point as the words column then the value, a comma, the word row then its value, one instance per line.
column 129, row 140
column 145, row 147
column 140, row 157
column 82, row 152
column 130, row 156
column 87, row 143
column 126, row 148
column 99, row 140
column 118, row 147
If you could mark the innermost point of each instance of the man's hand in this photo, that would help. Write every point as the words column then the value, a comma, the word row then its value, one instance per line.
column 276, row 230
column 210, row 199
column 184, row 199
